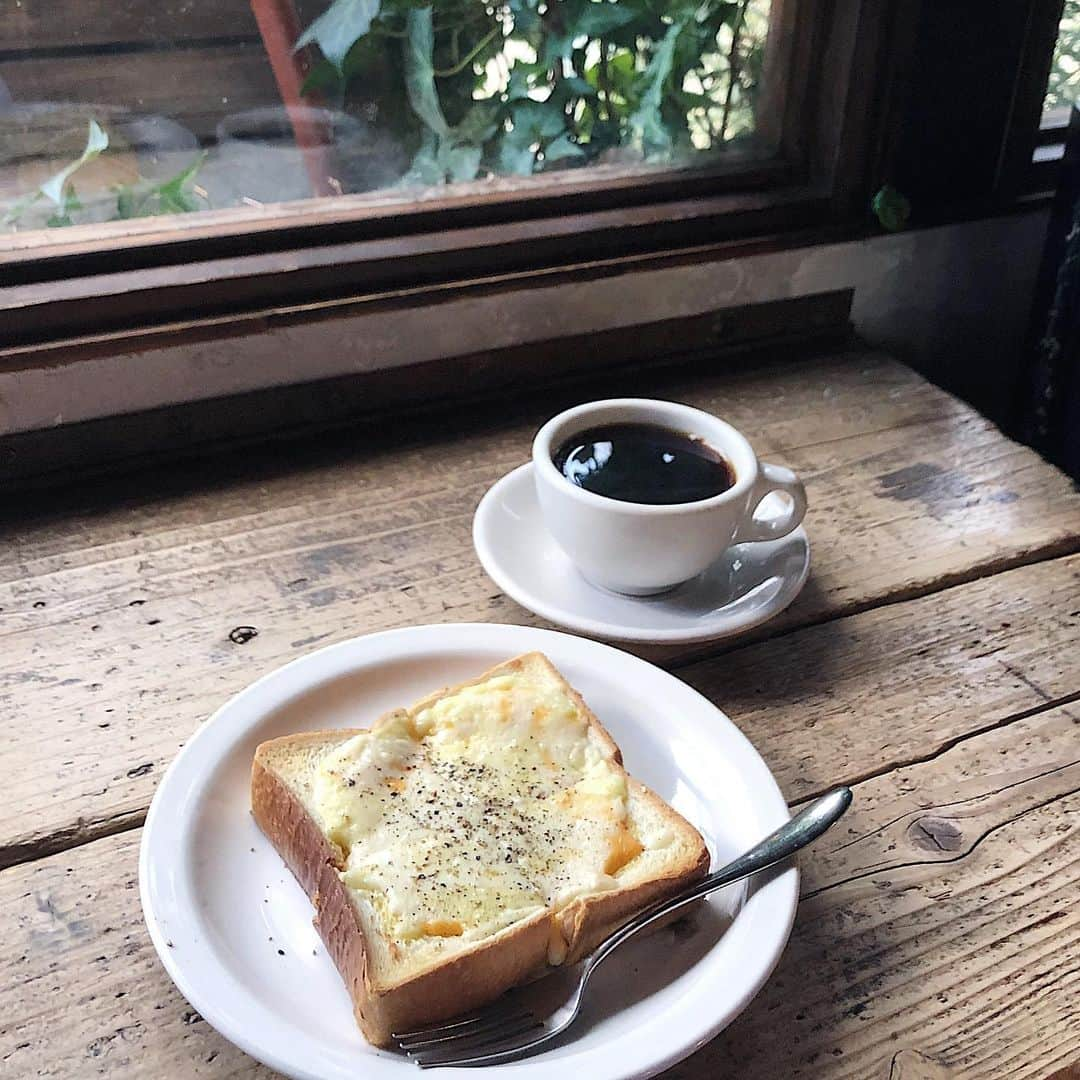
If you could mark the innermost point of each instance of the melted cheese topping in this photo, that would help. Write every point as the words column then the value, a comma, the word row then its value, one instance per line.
column 487, row 807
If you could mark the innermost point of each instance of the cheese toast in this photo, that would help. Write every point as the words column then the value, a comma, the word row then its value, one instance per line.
column 467, row 844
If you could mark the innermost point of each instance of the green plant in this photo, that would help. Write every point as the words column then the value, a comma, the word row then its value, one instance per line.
column 1063, row 87
column 141, row 198
column 474, row 87
column 891, row 208
column 59, row 189
column 528, row 85
column 145, row 198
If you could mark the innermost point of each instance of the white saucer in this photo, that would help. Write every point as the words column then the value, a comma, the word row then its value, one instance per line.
column 747, row 586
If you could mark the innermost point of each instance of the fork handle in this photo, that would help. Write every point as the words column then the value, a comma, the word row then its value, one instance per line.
column 805, row 827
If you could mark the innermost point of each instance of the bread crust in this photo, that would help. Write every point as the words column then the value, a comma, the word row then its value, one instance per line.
column 468, row 980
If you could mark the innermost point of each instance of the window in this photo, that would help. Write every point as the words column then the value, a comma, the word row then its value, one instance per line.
column 1063, row 86
column 189, row 164
column 214, row 197
column 157, row 108
column 1062, row 90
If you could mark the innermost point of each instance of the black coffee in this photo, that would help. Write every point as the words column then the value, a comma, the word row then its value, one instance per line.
column 643, row 463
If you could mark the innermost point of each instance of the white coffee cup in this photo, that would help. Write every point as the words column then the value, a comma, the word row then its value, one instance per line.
column 645, row 548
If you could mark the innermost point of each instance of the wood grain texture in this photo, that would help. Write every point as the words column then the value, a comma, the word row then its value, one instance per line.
column 194, row 86
column 912, row 958
column 118, row 610
column 78, row 914
column 1070, row 1072
column 898, row 684
column 51, row 24
column 938, row 928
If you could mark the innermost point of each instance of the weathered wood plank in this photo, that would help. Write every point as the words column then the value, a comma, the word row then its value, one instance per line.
column 83, row 992
column 117, row 613
column 867, row 694
column 780, row 406
column 938, row 936
column 47, row 24
column 940, row 925
column 195, row 86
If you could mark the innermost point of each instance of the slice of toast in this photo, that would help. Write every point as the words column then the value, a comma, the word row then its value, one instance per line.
column 463, row 846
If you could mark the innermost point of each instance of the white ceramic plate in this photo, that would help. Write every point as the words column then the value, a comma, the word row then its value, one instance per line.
column 234, row 930
column 746, row 586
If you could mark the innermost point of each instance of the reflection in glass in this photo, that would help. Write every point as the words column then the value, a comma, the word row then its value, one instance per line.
column 114, row 112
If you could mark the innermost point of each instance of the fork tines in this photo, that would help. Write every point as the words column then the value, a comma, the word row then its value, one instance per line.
column 467, row 1041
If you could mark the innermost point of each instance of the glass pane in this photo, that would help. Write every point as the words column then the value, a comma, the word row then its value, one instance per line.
column 1064, row 85
column 111, row 111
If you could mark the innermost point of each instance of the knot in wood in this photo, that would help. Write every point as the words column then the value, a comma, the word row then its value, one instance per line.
column 935, row 834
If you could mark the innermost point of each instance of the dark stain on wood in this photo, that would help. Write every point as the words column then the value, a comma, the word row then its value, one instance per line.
column 929, row 483
column 935, row 834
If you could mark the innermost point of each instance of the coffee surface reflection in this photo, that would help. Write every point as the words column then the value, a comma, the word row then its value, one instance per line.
column 644, row 463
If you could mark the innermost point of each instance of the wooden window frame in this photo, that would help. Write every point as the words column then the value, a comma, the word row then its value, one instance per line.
column 836, row 65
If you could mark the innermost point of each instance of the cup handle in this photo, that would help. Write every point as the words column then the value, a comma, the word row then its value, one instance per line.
column 773, row 478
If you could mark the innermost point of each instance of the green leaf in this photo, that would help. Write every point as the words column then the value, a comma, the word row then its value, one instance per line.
column 126, row 204
column 621, row 73
column 535, row 122
column 441, row 158
column 480, row 123
column 337, row 29
column 175, row 184
column 526, row 17
column 622, row 66
column 557, row 47
column 891, row 208
column 514, row 157
column 96, row 142
column 538, row 119
column 322, row 76
column 462, row 162
column 420, row 70
column 579, row 86
column 147, row 199
column 646, row 120
column 521, row 75
column 561, row 148
column 598, row 20
column 176, row 202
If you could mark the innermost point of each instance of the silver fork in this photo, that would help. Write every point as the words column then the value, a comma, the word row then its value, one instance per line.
column 504, row 1033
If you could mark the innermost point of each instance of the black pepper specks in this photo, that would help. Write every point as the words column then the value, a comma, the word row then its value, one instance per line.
column 484, row 835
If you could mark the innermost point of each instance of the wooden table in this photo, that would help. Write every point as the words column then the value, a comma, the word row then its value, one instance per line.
column 933, row 662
